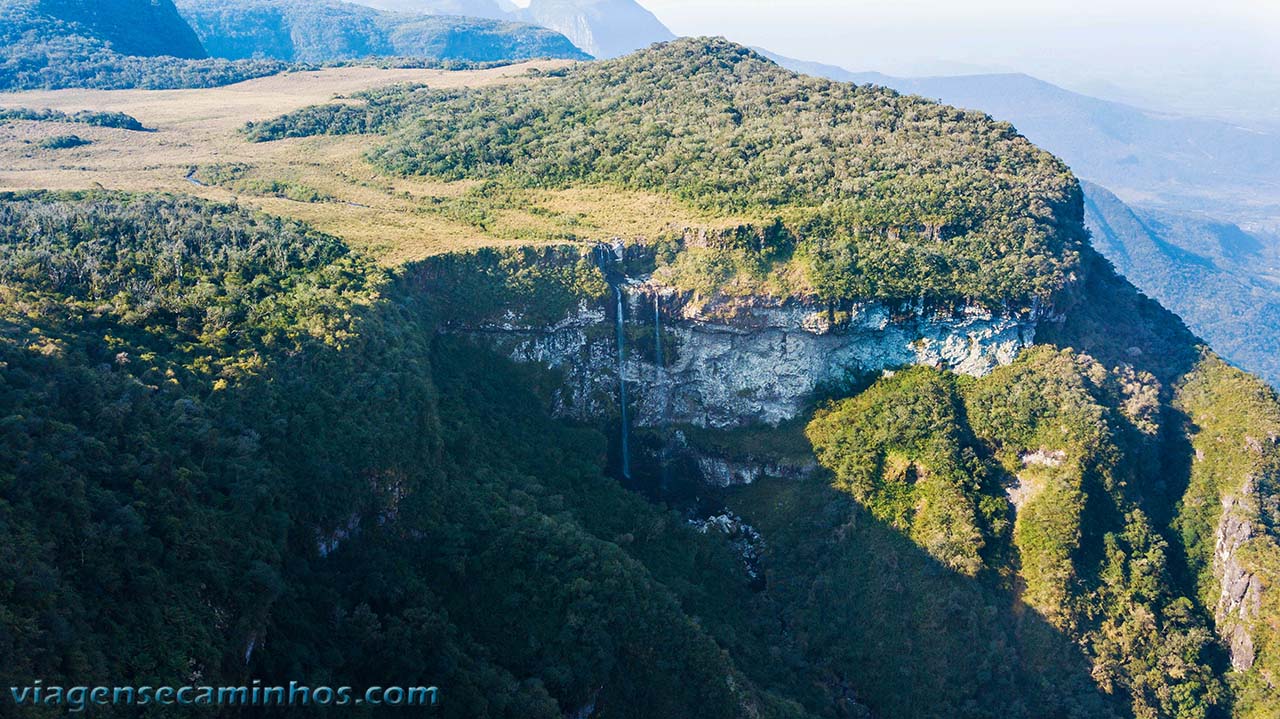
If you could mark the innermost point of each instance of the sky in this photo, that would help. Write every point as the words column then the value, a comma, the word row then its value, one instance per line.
column 1213, row 57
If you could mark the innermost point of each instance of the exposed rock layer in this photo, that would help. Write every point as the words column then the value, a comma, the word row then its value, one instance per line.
column 1240, row 590
column 738, row 363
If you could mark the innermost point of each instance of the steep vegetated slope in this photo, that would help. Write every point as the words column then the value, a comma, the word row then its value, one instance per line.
column 163, row 516
column 324, row 31
column 107, row 44
column 131, row 27
column 342, row 486
column 1213, row 274
column 1228, row 521
column 1038, row 462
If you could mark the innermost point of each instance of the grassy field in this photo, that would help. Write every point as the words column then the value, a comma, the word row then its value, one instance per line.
column 396, row 219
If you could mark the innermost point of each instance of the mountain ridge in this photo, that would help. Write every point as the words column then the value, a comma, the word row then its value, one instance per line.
column 131, row 27
column 53, row 44
column 77, row 43
column 1201, row 269
column 329, row 30
column 601, row 28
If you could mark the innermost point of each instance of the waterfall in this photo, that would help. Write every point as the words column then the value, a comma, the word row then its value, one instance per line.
column 657, row 337
column 661, row 386
column 622, row 385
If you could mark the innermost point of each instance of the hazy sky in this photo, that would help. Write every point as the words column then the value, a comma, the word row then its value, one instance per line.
column 1200, row 56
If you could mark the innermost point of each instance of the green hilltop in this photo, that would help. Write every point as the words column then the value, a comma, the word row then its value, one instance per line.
column 880, row 195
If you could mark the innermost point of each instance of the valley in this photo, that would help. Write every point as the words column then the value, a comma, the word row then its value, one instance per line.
column 671, row 385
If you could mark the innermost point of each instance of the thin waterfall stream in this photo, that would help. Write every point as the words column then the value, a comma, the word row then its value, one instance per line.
column 622, row 384
column 661, row 386
column 657, row 336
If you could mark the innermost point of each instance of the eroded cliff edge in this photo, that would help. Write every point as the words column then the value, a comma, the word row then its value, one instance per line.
column 733, row 361
column 667, row 366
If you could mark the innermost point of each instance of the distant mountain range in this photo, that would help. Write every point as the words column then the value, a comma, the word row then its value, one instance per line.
column 328, row 30
column 127, row 27
column 1219, row 278
column 602, row 28
column 109, row 44
column 130, row 27
column 474, row 8
column 106, row 44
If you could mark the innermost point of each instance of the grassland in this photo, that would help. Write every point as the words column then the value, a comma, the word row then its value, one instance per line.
column 197, row 132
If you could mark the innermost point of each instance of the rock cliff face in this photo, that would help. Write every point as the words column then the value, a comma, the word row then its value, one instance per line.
column 1240, row 590
column 732, row 362
column 745, row 540
column 1249, row 515
column 721, row 471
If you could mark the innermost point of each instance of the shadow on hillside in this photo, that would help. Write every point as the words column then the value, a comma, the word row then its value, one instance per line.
column 1109, row 319
column 908, row 636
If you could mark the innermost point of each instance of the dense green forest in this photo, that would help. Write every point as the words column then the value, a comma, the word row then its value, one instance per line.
column 118, row 120
column 940, row 461
column 328, row 30
column 263, row 437
column 232, row 448
column 163, row 514
column 890, row 196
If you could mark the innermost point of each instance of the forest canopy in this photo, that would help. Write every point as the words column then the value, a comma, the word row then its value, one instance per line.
column 885, row 196
column 231, row 449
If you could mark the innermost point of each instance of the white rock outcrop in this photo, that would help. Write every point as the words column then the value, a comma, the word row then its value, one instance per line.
column 1240, row 590
column 735, row 363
